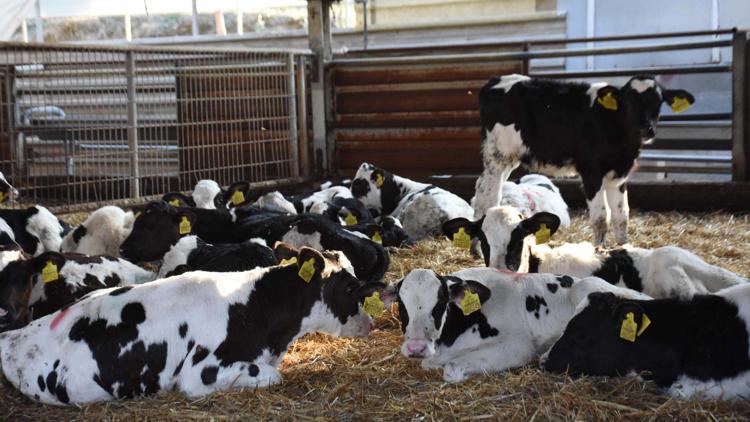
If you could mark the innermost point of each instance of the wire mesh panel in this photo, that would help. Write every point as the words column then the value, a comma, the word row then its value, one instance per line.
column 83, row 124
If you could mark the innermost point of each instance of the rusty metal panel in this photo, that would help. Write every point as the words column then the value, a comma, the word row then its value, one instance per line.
column 415, row 121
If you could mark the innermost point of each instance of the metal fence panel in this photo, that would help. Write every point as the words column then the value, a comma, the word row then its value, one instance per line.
column 91, row 124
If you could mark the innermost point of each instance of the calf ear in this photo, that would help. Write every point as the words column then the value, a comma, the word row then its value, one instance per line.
column 459, row 290
column 602, row 300
column 177, row 199
column 534, row 223
column 472, row 228
column 607, row 98
column 185, row 221
column 284, row 251
column 238, row 194
column 311, row 263
column 40, row 262
column 387, row 292
column 679, row 99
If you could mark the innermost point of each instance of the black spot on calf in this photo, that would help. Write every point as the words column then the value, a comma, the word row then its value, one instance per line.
column 552, row 287
column 200, row 354
column 183, row 329
column 565, row 281
column 208, row 375
column 40, row 382
column 534, row 304
column 120, row 290
column 253, row 370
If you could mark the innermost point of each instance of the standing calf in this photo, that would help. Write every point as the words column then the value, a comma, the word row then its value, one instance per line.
column 567, row 128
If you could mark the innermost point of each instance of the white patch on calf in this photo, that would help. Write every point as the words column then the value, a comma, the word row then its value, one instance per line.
column 641, row 85
column 275, row 201
column 297, row 239
column 46, row 227
column 325, row 195
column 593, row 91
column 507, row 81
column 106, row 229
column 529, row 198
column 204, row 193
column 177, row 254
column 5, row 228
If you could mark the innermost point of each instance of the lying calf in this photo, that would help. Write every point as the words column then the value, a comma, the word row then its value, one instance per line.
column 101, row 234
column 207, row 194
column 33, row 288
column 509, row 241
column 422, row 208
column 135, row 341
column 696, row 347
column 513, row 318
column 190, row 253
column 387, row 231
column 35, row 229
column 535, row 193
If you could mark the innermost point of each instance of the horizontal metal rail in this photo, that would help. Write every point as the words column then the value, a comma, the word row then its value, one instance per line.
column 527, row 55
column 146, row 49
column 691, row 158
column 666, row 70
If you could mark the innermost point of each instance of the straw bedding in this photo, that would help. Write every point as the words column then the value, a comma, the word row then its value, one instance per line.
column 355, row 379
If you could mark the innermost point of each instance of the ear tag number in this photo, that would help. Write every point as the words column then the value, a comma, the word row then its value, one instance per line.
column 470, row 303
column 174, row 202
column 307, row 270
column 238, row 197
column 542, row 235
column 379, row 180
column 373, row 306
column 608, row 101
column 461, row 239
column 185, row 226
column 290, row 261
column 49, row 272
column 350, row 220
column 377, row 238
column 680, row 104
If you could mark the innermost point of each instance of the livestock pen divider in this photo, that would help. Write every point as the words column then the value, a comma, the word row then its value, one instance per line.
column 87, row 125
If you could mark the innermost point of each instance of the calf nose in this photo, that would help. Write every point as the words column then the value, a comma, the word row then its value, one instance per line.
column 416, row 349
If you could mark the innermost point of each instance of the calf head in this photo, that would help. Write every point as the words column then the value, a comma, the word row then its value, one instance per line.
column 424, row 299
column 237, row 195
column 341, row 293
column 177, row 199
column 157, row 227
column 376, row 188
column 639, row 103
column 504, row 235
column 16, row 283
column 393, row 232
column 46, row 228
column 345, row 211
column 7, row 192
column 592, row 344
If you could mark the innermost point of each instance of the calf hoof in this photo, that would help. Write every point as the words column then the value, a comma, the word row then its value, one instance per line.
column 453, row 373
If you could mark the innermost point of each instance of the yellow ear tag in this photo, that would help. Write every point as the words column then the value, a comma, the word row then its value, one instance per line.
column 49, row 272
column 373, row 306
column 470, row 303
column 645, row 322
column 185, row 226
column 290, row 261
column 629, row 328
column 350, row 219
column 461, row 239
column 138, row 214
column 2, row 196
column 307, row 270
column 174, row 202
column 379, row 180
column 542, row 235
column 680, row 104
column 608, row 101
column 377, row 238
column 238, row 197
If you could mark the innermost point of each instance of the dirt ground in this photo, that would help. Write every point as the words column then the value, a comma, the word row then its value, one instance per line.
column 363, row 379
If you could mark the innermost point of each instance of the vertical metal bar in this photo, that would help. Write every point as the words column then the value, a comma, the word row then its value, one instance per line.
column 740, row 135
column 196, row 30
column 133, row 126
column 24, row 30
column 304, row 161
column 319, row 42
column 38, row 21
column 240, row 22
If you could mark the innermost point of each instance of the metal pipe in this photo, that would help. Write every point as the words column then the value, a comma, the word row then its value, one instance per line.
column 447, row 58
column 38, row 29
column 740, row 129
column 135, row 172
column 630, row 72
column 292, row 95
column 196, row 29
column 304, row 158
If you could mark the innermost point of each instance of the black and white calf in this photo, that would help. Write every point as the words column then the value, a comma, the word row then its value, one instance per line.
column 102, row 233
column 7, row 192
column 508, row 241
column 386, row 231
column 35, row 287
column 567, row 128
column 35, row 229
column 136, row 341
column 535, row 193
column 420, row 207
column 516, row 317
column 207, row 194
column 693, row 348
column 190, row 253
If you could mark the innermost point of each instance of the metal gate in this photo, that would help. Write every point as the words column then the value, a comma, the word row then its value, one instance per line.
column 82, row 125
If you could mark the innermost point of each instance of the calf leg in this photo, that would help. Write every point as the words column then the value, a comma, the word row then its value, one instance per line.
column 492, row 357
column 489, row 186
column 617, row 198
column 598, row 209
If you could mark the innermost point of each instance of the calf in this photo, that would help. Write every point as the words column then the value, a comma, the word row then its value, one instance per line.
column 32, row 288
column 344, row 211
column 696, row 347
column 191, row 253
column 101, row 234
column 535, row 193
column 513, row 318
column 35, row 229
column 314, row 202
column 7, row 192
column 207, row 194
column 420, row 207
column 509, row 242
column 388, row 232
column 567, row 128
column 160, row 226
column 136, row 341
